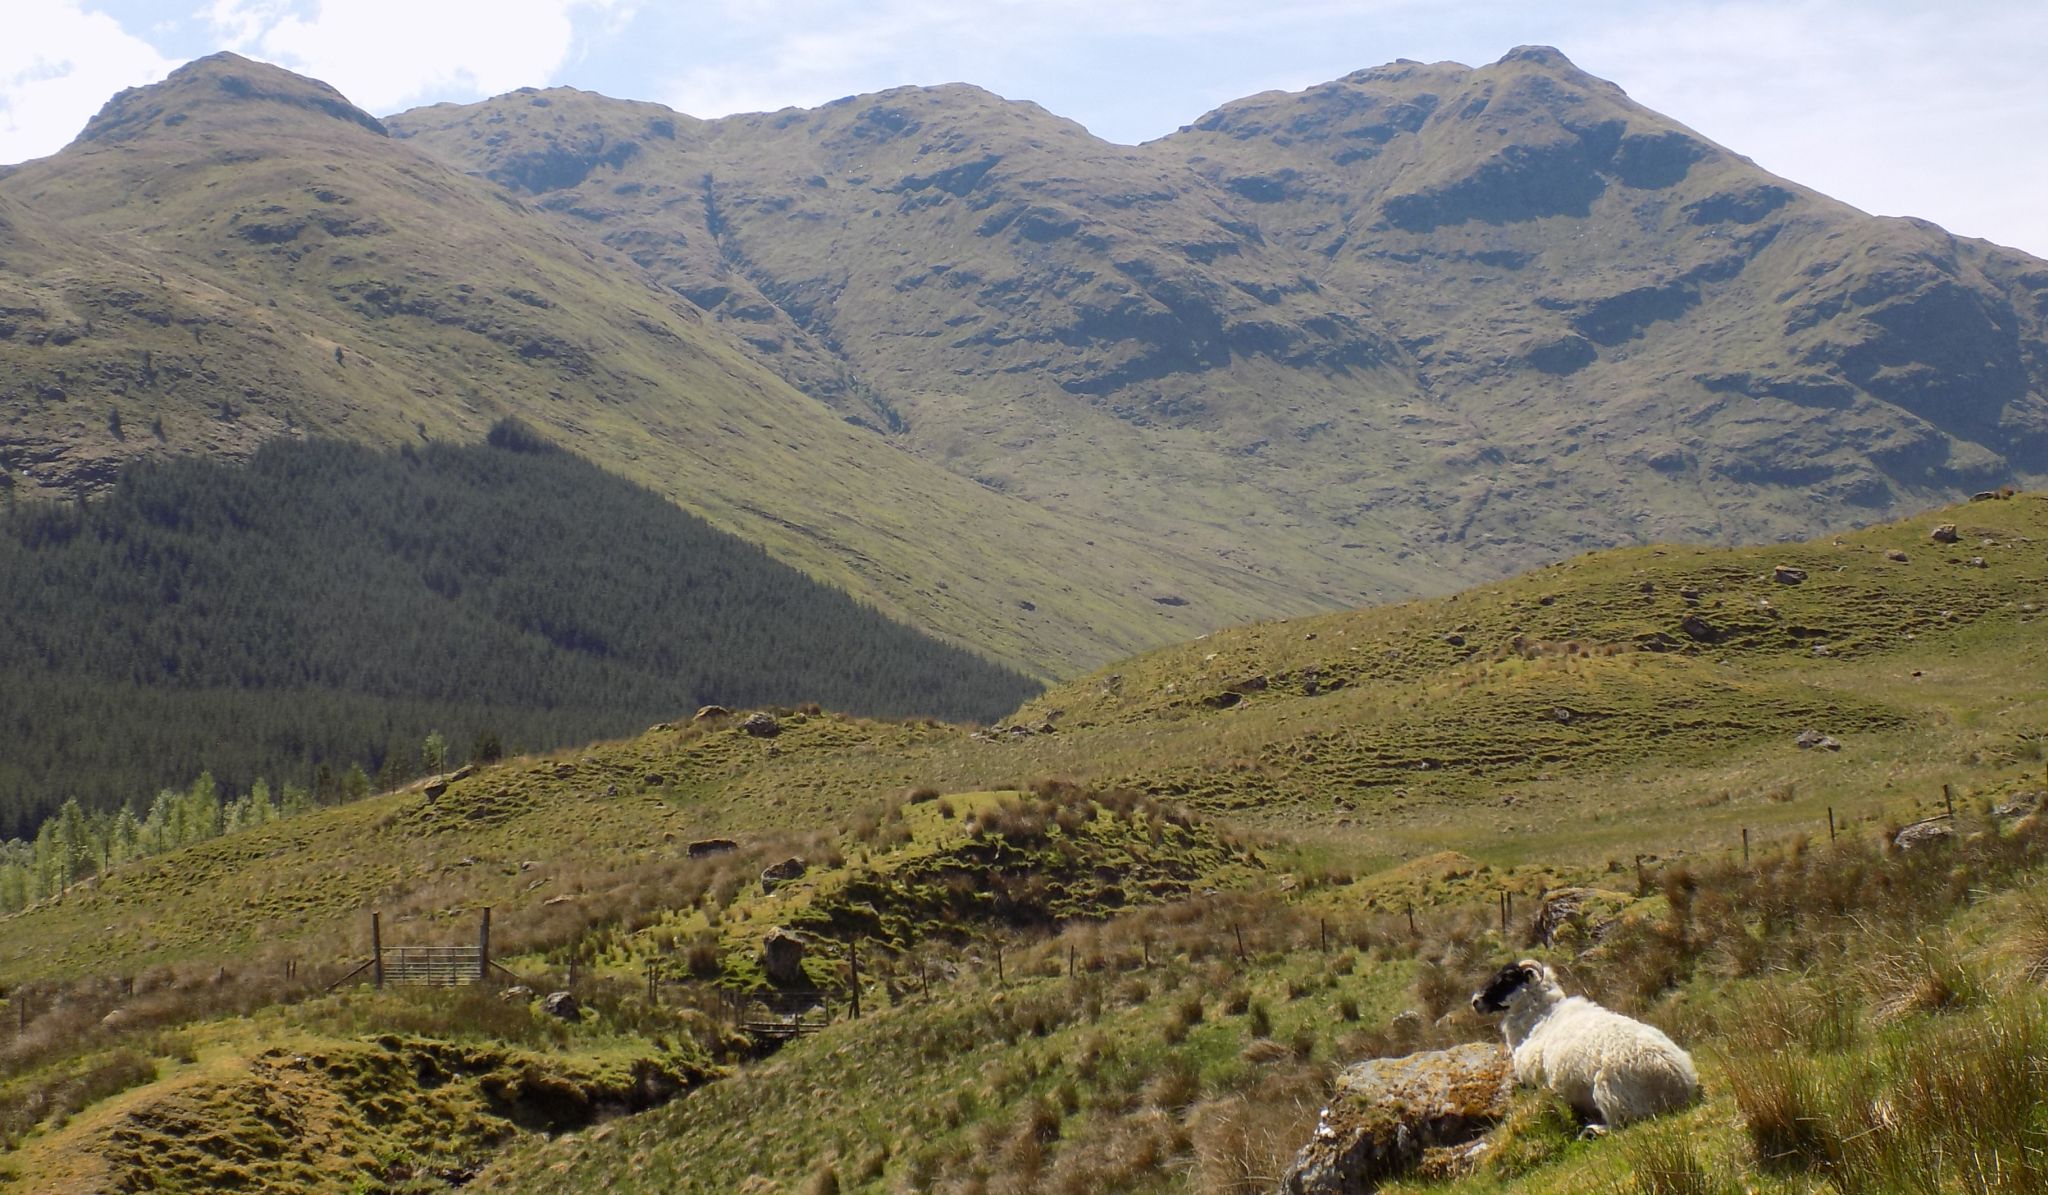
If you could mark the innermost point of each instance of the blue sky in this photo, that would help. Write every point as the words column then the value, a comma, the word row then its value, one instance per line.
column 1924, row 109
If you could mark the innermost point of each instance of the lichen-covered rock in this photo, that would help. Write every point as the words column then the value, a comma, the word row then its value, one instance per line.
column 1390, row 1116
column 1578, row 916
column 761, row 725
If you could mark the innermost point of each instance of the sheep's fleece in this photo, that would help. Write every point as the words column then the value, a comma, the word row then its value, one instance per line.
column 1611, row 1068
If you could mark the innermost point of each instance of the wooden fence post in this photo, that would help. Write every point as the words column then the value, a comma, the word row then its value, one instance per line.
column 1948, row 798
column 1411, row 918
column 483, row 947
column 999, row 966
column 1745, row 846
column 1831, row 825
column 377, row 948
column 1238, row 933
column 853, row 960
column 1323, row 929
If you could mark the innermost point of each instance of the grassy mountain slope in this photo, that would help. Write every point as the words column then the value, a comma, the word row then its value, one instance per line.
column 329, row 604
column 301, row 271
column 1597, row 736
column 1175, row 1030
column 1417, row 326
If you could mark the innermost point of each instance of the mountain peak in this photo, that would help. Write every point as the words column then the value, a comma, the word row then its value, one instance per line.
column 218, row 82
column 1545, row 56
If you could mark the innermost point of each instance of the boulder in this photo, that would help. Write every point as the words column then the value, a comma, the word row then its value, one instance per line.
column 1895, row 554
column 1924, row 834
column 1699, row 629
column 1391, row 1116
column 2019, row 806
column 518, row 993
column 1810, row 740
column 761, row 725
column 782, row 957
column 563, row 1005
column 707, row 712
column 704, row 848
column 1578, row 916
column 1944, row 534
column 1785, row 574
column 781, row 873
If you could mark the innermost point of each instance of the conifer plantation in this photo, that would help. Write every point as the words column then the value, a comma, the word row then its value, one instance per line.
column 329, row 606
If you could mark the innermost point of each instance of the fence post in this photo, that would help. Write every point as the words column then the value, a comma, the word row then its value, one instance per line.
column 1831, row 825
column 377, row 948
column 1323, row 928
column 1070, row 960
column 483, row 947
column 1745, row 846
column 999, row 966
column 1411, row 918
column 1948, row 798
column 1642, row 884
column 853, row 960
column 1238, row 933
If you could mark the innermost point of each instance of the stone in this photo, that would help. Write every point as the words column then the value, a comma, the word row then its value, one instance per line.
column 761, row 725
column 704, row 848
column 435, row 787
column 708, row 712
column 1689, row 594
column 1578, row 916
column 1895, row 554
column 1924, row 834
column 782, row 957
column 1699, row 629
column 1393, row 1116
column 1785, row 574
column 2020, row 806
column 781, row 873
column 115, row 1019
column 1810, row 740
column 1944, row 534
column 1455, row 639
column 1979, row 562
column 563, row 1005
column 518, row 993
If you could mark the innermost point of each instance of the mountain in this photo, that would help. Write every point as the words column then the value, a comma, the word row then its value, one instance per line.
column 1049, row 397
column 237, row 253
column 325, row 605
column 1420, row 324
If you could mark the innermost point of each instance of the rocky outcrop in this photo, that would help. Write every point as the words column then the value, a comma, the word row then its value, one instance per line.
column 1393, row 1116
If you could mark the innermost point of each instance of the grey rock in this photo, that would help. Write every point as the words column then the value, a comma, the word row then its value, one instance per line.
column 761, row 725
column 782, row 957
column 1924, row 834
column 781, row 873
column 563, row 1005
column 1393, row 1116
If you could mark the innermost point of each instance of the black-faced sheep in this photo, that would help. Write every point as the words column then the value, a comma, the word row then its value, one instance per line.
column 1610, row 1068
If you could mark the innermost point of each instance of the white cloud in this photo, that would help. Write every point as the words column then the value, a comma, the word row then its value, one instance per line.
column 58, row 65
column 384, row 54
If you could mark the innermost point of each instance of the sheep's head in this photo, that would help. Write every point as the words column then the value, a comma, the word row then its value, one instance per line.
column 1510, row 984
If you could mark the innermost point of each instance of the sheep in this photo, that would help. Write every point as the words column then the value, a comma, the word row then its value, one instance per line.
column 1610, row 1068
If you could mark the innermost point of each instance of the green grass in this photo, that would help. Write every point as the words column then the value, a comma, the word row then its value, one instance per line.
column 942, row 849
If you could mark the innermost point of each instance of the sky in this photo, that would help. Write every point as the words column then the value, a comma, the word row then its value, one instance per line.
column 1928, row 109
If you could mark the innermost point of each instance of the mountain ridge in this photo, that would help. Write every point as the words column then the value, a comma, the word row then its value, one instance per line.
column 1393, row 334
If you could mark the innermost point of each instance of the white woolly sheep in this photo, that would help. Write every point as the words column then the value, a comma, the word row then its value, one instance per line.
column 1610, row 1068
